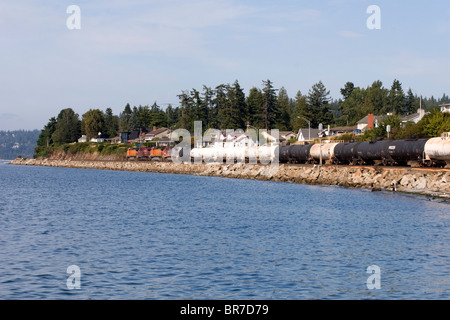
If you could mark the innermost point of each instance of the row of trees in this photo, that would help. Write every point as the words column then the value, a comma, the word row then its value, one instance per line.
column 67, row 127
column 17, row 143
column 432, row 125
column 358, row 102
column 228, row 107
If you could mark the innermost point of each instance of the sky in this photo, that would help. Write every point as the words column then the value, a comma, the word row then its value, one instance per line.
column 141, row 52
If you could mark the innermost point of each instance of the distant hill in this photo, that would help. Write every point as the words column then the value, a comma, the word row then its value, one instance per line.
column 18, row 143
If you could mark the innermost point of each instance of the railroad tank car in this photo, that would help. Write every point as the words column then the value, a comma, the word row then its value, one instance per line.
column 346, row 153
column 401, row 152
column 371, row 152
column 437, row 150
column 327, row 151
column 300, row 153
column 284, row 152
column 267, row 154
column 232, row 154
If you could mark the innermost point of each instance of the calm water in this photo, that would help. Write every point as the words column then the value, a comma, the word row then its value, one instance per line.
column 157, row 236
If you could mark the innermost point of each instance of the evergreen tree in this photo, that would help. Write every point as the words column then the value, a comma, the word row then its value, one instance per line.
column 234, row 113
column 444, row 99
column 171, row 116
column 208, row 102
column 284, row 106
column 124, row 119
column 186, row 115
column 301, row 114
column 222, row 105
column 412, row 103
column 270, row 111
column 318, row 105
column 347, row 90
column 133, row 122
column 396, row 99
column 144, row 117
column 157, row 117
column 93, row 123
column 378, row 97
column 45, row 138
column 254, row 105
column 68, row 127
column 200, row 112
column 111, row 126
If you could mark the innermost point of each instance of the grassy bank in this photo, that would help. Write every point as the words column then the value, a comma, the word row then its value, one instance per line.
column 86, row 149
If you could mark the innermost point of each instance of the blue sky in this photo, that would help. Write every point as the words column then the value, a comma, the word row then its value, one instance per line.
column 139, row 52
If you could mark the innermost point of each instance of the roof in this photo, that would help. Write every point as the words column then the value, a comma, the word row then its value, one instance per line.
column 156, row 132
column 411, row 117
column 305, row 133
column 365, row 120
column 344, row 128
column 286, row 133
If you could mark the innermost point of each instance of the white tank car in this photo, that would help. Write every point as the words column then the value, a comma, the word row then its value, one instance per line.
column 196, row 153
column 327, row 151
column 267, row 154
column 239, row 154
column 438, row 148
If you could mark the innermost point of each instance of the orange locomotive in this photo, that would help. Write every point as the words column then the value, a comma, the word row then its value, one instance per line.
column 145, row 153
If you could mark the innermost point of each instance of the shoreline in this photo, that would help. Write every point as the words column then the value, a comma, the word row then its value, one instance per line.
column 416, row 181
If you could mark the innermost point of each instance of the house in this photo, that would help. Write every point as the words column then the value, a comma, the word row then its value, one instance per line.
column 416, row 117
column 286, row 136
column 212, row 137
column 308, row 134
column 82, row 139
column 341, row 130
column 100, row 138
column 126, row 137
column 239, row 139
column 164, row 142
column 266, row 137
column 157, row 134
column 113, row 140
column 369, row 122
column 445, row 107
column 233, row 138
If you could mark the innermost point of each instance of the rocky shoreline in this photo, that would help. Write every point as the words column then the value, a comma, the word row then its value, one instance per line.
column 434, row 183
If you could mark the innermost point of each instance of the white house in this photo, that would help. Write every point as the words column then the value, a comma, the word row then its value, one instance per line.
column 308, row 134
column 416, row 117
column 445, row 107
column 368, row 122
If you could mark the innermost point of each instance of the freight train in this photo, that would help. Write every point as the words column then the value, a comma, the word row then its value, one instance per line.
column 434, row 152
column 145, row 153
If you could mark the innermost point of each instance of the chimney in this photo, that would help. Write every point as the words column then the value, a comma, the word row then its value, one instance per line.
column 154, row 128
column 370, row 121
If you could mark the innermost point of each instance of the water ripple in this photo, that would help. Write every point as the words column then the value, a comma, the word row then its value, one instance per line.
column 155, row 236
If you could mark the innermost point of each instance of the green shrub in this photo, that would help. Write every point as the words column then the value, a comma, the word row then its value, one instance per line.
column 42, row 152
